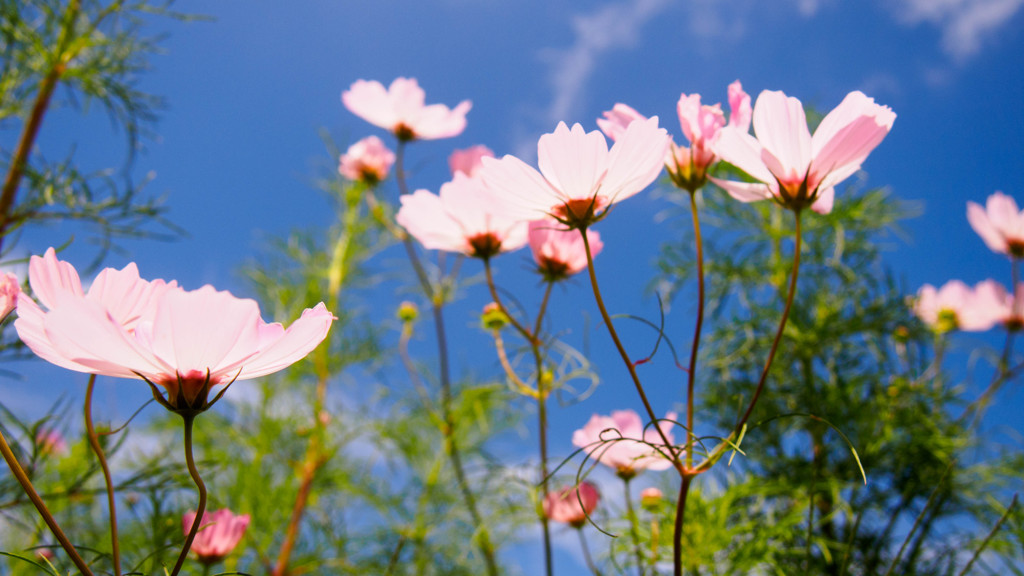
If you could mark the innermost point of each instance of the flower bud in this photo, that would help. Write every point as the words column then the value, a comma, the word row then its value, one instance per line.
column 650, row 498
column 493, row 317
column 218, row 535
column 572, row 504
column 408, row 312
column 9, row 290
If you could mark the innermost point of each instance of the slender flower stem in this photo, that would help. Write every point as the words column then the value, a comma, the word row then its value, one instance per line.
column 315, row 457
column 586, row 553
column 484, row 539
column 35, row 120
column 94, row 441
column 26, row 485
column 778, row 334
column 677, row 533
column 541, row 394
column 448, row 429
column 631, row 515
column 200, row 486
column 542, row 425
column 625, row 356
column 991, row 534
column 692, row 373
column 691, row 376
column 523, row 330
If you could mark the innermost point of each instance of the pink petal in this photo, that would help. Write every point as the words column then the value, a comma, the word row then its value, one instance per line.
column 739, row 106
column 298, row 341
column 979, row 221
column 742, row 151
column 521, row 190
column 437, row 121
column 205, row 330
column 617, row 119
column 406, row 98
column 52, row 279
column 84, row 333
column 370, row 101
column 423, row 215
column 573, row 161
column 635, row 160
column 781, row 127
column 744, row 191
column 825, row 200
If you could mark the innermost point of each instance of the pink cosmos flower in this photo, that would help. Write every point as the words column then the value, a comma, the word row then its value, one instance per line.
column 579, row 177
column 401, row 110
column 572, row 504
column 615, row 441
column 368, row 160
column 10, row 288
column 467, row 160
column 184, row 341
column 464, row 218
column 218, row 534
column 560, row 253
column 1000, row 224
column 955, row 306
column 700, row 124
column 651, row 497
column 991, row 300
column 796, row 169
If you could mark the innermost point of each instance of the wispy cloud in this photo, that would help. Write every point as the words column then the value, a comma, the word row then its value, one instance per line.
column 964, row 23
column 614, row 26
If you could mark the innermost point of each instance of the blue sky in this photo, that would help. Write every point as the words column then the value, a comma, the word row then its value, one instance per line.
column 238, row 144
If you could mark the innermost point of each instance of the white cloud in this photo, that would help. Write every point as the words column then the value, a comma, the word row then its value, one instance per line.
column 964, row 23
column 610, row 27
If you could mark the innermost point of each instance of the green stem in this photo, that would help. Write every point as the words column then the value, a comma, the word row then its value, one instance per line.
column 586, row 553
column 625, row 356
column 26, row 485
column 94, row 441
column 448, row 430
column 29, row 133
column 991, row 534
column 542, row 426
column 631, row 515
column 200, row 486
column 778, row 334
column 692, row 374
column 677, row 534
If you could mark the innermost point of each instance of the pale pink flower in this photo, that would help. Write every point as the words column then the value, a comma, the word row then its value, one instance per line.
column 219, row 534
column 700, row 124
column 463, row 218
column 10, row 287
column 401, row 109
column 796, row 169
column 368, row 160
column 579, row 178
column 617, row 119
column 467, row 160
column 1000, row 224
column 956, row 306
column 572, row 504
column 991, row 300
column 185, row 341
column 619, row 441
column 125, row 297
column 560, row 253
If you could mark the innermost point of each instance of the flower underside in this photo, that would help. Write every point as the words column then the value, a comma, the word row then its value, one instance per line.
column 579, row 213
